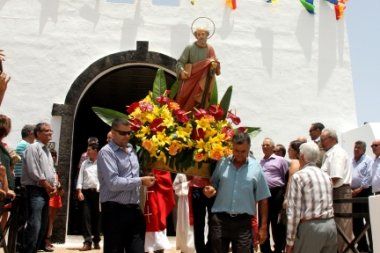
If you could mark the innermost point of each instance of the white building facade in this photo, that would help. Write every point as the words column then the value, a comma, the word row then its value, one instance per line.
column 288, row 68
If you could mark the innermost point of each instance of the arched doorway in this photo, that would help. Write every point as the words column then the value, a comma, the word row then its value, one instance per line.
column 112, row 82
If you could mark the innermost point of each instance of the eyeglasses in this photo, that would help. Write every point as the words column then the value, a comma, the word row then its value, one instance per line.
column 123, row 133
column 375, row 145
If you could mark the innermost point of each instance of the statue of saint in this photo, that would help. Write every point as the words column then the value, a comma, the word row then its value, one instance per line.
column 196, row 69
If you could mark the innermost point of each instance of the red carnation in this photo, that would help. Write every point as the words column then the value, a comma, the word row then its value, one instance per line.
column 131, row 108
column 242, row 130
column 155, row 126
column 235, row 119
column 216, row 111
column 198, row 134
column 135, row 124
column 163, row 100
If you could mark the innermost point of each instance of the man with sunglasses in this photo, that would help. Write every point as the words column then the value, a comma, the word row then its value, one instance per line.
column 376, row 167
column 120, row 182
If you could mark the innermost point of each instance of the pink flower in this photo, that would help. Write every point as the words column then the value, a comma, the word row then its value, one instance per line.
column 229, row 132
column 145, row 106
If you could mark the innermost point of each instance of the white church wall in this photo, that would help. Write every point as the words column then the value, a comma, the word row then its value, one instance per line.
column 288, row 68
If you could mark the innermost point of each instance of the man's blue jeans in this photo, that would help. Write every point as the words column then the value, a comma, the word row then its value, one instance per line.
column 37, row 221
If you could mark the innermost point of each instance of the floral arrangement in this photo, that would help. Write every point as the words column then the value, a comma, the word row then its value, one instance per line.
column 170, row 134
column 167, row 134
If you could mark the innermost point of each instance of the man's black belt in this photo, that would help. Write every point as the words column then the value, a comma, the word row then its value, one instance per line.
column 90, row 190
column 235, row 215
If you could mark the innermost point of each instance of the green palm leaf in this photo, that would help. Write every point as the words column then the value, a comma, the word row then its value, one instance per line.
column 225, row 102
column 214, row 95
column 253, row 131
column 108, row 115
column 174, row 89
column 159, row 85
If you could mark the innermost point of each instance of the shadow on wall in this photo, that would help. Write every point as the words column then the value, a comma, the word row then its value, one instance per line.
column 90, row 13
column 327, row 44
column 155, row 2
column 341, row 25
column 166, row 2
column 49, row 10
column 179, row 35
column 305, row 33
column 266, row 38
column 227, row 23
column 130, row 27
column 2, row 3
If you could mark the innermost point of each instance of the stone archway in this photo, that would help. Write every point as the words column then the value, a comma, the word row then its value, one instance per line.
column 113, row 82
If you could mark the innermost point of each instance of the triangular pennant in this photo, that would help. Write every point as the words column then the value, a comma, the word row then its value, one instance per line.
column 231, row 4
column 309, row 5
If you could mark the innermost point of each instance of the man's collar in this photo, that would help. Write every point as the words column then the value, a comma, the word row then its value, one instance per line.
column 231, row 158
column 41, row 144
column 331, row 149
column 272, row 156
column 310, row 164
column 115, row 147
column 360, row 158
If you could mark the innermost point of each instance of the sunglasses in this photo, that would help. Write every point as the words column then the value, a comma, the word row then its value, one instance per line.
column 375, row 145
column 123, row 133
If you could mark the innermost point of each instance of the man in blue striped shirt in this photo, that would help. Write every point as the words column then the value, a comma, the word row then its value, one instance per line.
column 238, row 183
column 120, row 182
column 27, row 135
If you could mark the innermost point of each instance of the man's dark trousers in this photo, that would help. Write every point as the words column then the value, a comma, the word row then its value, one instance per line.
column 90, row 216
column 200, row 203
column 37, row 219
column 358, row 224
column 278, row 230
column 123, row 228
column 234, row 229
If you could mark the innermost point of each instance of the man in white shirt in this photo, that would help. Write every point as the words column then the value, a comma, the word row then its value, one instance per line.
column 88, row 195
column 376, row 167
column 336, row 164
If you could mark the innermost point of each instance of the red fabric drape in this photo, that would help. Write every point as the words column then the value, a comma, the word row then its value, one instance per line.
column 160, row 201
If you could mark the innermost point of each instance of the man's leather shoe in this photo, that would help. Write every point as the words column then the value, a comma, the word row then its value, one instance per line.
column 85, row 247
column 48, row 248
column 96, row 246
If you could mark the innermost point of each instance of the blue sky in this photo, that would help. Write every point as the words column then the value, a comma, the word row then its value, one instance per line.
column 363, row 25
